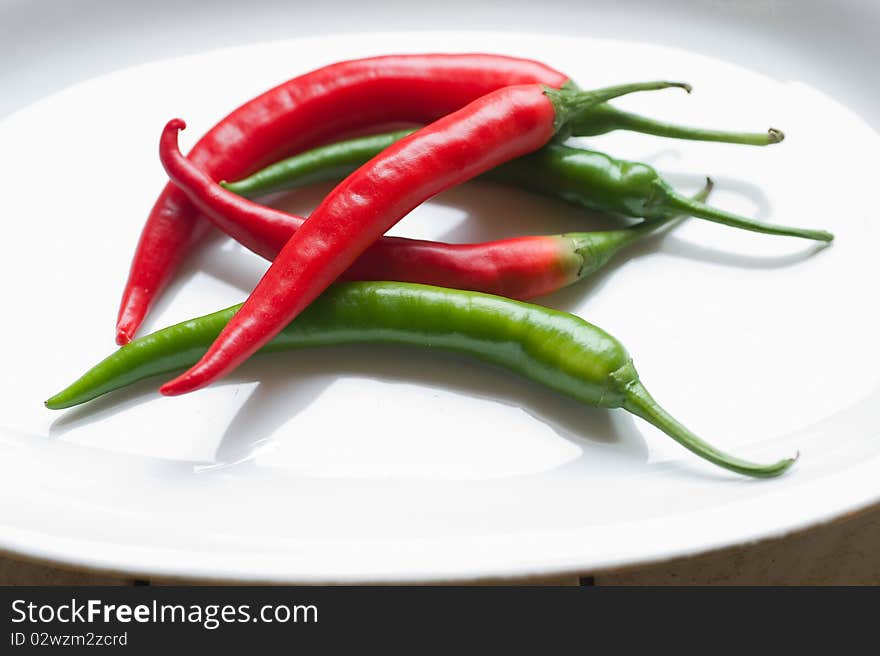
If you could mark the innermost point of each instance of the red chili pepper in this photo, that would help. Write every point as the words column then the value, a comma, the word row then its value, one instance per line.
column 301, row 113
column 522, row 267
column 496, row 128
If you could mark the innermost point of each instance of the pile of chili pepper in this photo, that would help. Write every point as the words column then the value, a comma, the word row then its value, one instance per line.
column 482, row 115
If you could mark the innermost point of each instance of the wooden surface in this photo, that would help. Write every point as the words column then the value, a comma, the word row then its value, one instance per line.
column 846, row 552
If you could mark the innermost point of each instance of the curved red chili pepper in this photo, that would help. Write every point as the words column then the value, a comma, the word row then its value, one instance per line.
column 522, row 267
column 302, row 113
column 496, row 128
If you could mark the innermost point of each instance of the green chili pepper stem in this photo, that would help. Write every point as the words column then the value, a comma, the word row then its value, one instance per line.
column 570, row 103
column 640, row 403
column 669, row 198
column 605, row 118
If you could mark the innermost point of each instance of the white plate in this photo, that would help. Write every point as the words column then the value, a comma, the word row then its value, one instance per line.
column 381, row 464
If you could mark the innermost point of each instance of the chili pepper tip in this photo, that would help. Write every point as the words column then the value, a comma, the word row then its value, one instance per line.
column 175, row 124
column 189, row 381
column 168, row 389
column 131, row 313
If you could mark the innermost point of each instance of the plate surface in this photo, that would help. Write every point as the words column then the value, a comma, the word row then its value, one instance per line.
column 382, row 464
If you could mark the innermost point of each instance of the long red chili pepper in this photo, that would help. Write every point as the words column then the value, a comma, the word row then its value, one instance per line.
column 496, row 128
column 301, row 113
column 522, row 267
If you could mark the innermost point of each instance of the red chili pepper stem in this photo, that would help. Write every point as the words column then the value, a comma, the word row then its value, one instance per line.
column 569, row 103
column 603, row 119
column 597, row 248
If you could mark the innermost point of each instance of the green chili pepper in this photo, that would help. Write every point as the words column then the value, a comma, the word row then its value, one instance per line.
column 585, row 178
column 553, row 348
